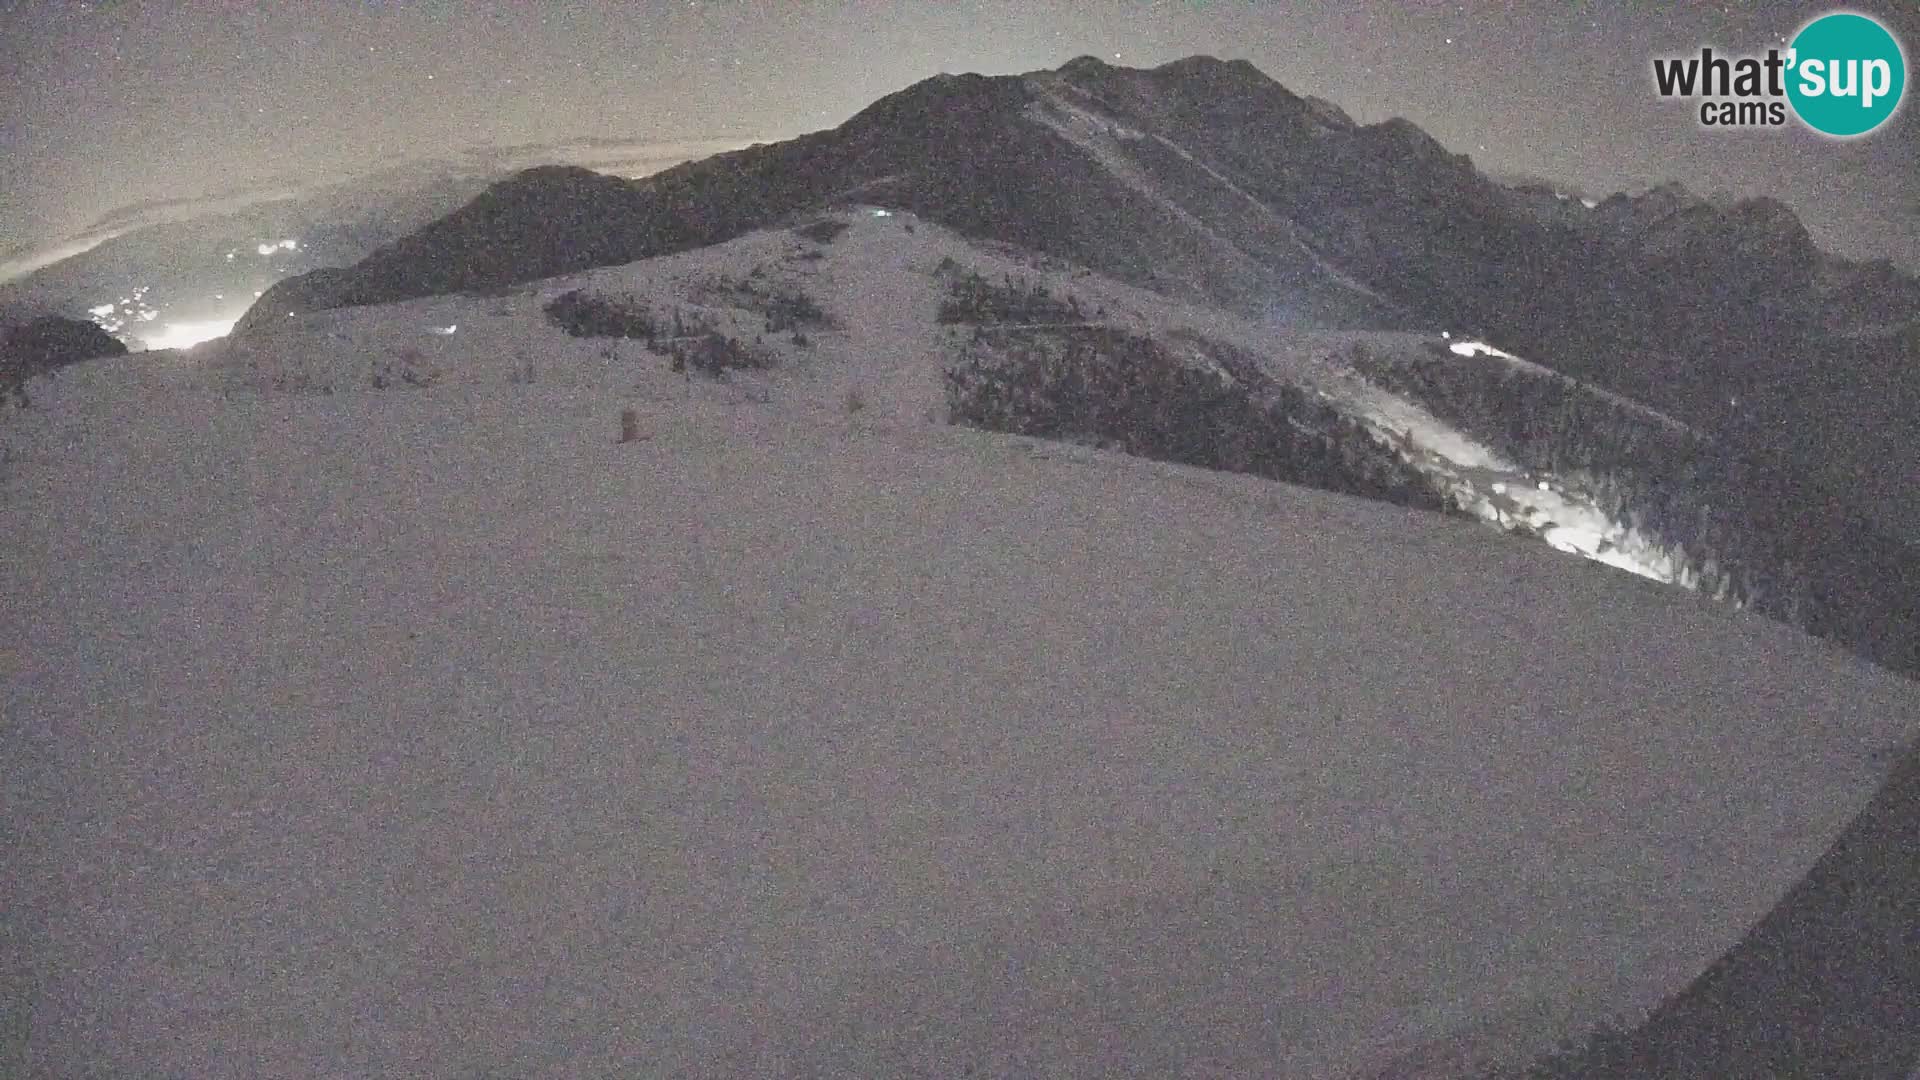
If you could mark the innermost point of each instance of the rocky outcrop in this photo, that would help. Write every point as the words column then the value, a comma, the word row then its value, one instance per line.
column 51, row 342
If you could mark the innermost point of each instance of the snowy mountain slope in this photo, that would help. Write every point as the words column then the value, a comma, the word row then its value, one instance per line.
column 429, row 730
column 878, row 281
column 1516, row 444
column 1205, row 180
column 1529, row 450
column 881, row 284
column 433, row 731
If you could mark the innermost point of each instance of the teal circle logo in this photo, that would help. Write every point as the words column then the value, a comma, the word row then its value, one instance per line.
column 1846, row 74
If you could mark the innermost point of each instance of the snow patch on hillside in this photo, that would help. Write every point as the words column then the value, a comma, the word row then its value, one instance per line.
column 1556, row 509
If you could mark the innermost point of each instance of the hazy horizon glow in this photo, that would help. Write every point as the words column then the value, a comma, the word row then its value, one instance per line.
column 185, row 335
column 145, row 103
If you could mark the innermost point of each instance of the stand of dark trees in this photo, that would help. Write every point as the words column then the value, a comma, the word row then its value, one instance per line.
column 691, row 341
column 972, row 298
column 1191, row 402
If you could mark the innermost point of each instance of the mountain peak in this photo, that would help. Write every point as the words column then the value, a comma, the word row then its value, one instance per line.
column 1669, row 197
column 1413, row 138
column 1766, row 211
column 1200, row 178
column 1202, row 64
column 551, row 172
column 1768, row 225
column 1657, row 203
column 1329, row 114
column 1083, row 66
column 542, row 179
column 1210, row 76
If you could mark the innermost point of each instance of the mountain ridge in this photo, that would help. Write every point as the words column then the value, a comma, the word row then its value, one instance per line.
column 1205, row 180
column 1370, row 200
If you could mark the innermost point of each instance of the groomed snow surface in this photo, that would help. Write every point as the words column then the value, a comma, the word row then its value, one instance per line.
column 431, row 732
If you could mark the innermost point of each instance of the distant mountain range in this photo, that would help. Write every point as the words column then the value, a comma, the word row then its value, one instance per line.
column 170, row 272
column 1205, row 180
column 151, row 275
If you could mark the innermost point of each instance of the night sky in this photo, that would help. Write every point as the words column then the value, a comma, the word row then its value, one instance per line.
column 108, row 104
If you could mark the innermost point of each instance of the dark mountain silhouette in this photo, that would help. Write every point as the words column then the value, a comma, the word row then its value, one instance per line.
column 1207, row 180
column 45, row 344
column 1001, row 158
column 50, row 342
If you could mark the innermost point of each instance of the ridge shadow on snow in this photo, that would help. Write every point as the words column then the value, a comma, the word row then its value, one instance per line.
column 1827, row 984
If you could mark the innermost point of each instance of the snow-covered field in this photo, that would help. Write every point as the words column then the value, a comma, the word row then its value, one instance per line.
column 430, row 731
